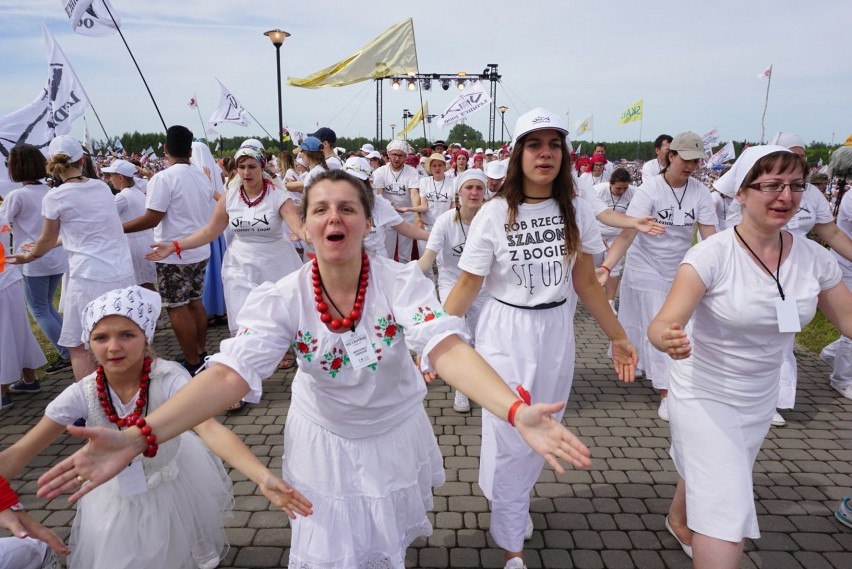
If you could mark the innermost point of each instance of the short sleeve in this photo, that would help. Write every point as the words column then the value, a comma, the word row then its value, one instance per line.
column 159, row 194
column 590, row 232
column 642, row 203
column 50, row 209
column 265, row 328
column 704, row 258
column 706, row 207
column 481, row 245
column 120, row 203
column 823, row 208
column 438, row 235
column 385, row 214
column 11, row 207
column 413, row 179
column 379, row 178
column 827, row 269
column 69, row 405
column 422, row 317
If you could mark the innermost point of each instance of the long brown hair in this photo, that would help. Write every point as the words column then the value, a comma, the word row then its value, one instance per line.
column 562, row 192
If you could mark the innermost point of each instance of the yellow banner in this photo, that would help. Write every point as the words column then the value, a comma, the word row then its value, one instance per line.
column 632, row 113
column 392, row 53
column 416, row 119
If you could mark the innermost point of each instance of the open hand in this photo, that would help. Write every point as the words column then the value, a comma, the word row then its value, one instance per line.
column 160, row 251
column 549, row 438
column 285, row 497
column 624, row 359
column 22, row 525
column 649, row 226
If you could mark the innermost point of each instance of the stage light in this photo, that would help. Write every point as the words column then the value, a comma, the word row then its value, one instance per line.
column 412, row 84
column 427, row 84
column 445, row 84
column 460, row 84
column 395, row 84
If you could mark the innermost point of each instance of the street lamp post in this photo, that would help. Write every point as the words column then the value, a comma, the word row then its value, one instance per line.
column 393, row 130
column 502, row 109
column 277, row 38
column 405, row 116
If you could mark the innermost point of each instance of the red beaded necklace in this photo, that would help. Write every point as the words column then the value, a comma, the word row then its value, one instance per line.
column 257, row 200
column 322, row 307
column 106, row 400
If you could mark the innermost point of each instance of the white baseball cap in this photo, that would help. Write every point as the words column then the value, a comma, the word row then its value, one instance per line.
column 65, row 145
column 122, row 167
column 538, row 119
column 367, row 148
column 788, row 140
column 358, row 167
column 496, row 169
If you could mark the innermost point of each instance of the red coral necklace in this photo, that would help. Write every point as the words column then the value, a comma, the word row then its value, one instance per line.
column 322, row 307
column 105, row 398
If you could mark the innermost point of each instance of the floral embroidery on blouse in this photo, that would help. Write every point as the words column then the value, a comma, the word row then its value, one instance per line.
column 378, row 357
column 387, row 329
column 334, row 361
column 305, row 345
column 425, row 314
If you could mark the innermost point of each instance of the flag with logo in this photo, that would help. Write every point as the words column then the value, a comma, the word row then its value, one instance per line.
column 416, row 119
column 230, row 110
column 632, row 113
column 724, row 154
column 765, row 73
column 59, row 104
column 711, row 139
column 391, row 53
column 468, row 102
column 584, row 126
column 91, row 17
column 192, row 103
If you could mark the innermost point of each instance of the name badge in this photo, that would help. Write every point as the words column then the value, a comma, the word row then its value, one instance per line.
column 131, row 480
column 677, row 218
column 788, row 315
column 358, row 348
column 397, row 189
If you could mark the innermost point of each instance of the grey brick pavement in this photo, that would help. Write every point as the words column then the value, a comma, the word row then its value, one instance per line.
column 609, row 516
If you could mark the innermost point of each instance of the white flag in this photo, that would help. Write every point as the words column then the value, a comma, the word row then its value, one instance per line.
column 192, row 102
column 49, row 115
column 723, row 155
column 711, row 139
column 229, row 110
column 765, row 73
column 91, row 17
column 584, row 126
column 468, row 102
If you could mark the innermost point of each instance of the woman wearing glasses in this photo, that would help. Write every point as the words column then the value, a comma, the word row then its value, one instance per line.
column 736, row 300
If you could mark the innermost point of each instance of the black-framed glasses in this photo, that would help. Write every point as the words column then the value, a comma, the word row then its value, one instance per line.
column 778, row 187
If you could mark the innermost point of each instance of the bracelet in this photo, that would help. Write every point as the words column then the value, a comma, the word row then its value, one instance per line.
column 177, row 249
column 8, row 497
column 512, row 410
column 150, row 438
column 607, row 269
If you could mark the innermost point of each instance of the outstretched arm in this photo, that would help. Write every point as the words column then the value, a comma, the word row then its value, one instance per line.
column 666, row 331
column 214, row 228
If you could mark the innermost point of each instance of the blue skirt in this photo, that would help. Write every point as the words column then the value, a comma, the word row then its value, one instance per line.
column 213, row 296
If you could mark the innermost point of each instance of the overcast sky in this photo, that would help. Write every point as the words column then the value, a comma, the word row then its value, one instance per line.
column 695, row 64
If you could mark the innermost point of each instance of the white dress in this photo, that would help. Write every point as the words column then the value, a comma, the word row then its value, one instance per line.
column 130, row 203
column 526, row 266
column 358, row 443
column 260, row 251
column 182, row 512
column 722, row 398
column 653, row 261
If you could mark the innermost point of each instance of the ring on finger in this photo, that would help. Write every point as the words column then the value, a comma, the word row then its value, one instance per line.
column 80, row 479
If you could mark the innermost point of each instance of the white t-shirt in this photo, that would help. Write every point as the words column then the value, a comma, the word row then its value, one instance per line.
column 439, row 196
column 384, row 217
column 447, row 239
column 614, row 203
column 736, row 345
column 395, row 186
column 22, row 208
column 261, row 223
column 525, row 263
column 313, row 173
column 591, row 180
column 334, row 163
column 722, row 203
column 662, row 254
column 844, row 222
column 185, row 195
column 650, row 169
column 813, row 209
column 90, row 229
column 130, row 203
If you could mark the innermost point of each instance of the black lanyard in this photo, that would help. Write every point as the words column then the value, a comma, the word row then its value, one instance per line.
column 685, row 186
column 461, row 223
column 616, row 202
column 777, row 276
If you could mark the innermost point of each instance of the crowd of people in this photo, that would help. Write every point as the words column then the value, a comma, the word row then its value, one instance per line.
column 306, row 255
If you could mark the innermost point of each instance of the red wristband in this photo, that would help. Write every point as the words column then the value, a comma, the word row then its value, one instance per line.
column 512, row 410
column 177, row 249
column 8, row 498
column 607, row 269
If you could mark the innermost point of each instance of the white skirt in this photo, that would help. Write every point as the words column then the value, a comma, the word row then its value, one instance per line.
column 641, row 298
column 182, row 513
column 18, row 346
column 370, row 495
column 144, row 271
column 79, row 293
column 715, row 441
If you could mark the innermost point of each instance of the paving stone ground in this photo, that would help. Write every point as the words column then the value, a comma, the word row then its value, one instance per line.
column 609, row 516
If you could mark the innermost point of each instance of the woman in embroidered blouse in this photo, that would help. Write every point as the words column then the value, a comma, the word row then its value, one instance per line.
column 358, row 442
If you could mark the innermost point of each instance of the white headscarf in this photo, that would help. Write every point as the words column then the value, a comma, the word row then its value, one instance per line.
column 397, row 144
column 730, row 182
column 140, row 305
column 202, row 157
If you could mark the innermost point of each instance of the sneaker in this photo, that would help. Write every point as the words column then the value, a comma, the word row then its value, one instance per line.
column 529, row 529
column 5, row 402
column 22, row 386
column 57, row 366
column 844, row 391
column 49, row 561
column 844, row 512
column 515, row 563
column 461, row 404
column 663, row 410
column 192, row 368
column 778, row 420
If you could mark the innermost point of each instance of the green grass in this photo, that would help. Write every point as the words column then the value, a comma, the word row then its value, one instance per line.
column 818, row 334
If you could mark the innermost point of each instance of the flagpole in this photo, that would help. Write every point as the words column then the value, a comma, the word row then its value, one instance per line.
column 99, row 119
column 641, row 122
column 423, row 112
column 260, row 125
column 765, row 105
column 201, row 120
column 106, row 5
